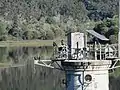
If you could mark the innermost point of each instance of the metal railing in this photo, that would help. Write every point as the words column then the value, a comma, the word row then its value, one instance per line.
column 103, row 52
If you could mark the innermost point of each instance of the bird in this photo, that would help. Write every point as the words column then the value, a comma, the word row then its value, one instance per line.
column 54, row 44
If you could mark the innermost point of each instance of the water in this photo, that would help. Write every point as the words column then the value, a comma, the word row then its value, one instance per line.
column 28, row 77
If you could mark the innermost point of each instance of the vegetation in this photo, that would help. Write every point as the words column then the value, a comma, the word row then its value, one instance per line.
column 108, row 27
column 43, row 19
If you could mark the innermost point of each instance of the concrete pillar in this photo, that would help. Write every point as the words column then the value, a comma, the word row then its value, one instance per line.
column 74, row 80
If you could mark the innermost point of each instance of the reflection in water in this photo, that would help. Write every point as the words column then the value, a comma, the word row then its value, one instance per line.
column 17, row 55
column 28, row 77
column 3, row 54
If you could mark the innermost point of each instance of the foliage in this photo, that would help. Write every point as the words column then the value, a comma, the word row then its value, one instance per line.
column 101, row 9
column 109, row 28
column 57, row 30
column 50, row 20
column 29, row 17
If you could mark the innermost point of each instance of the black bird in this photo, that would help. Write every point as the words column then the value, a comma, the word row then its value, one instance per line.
column 54, row 44
column 62, row 42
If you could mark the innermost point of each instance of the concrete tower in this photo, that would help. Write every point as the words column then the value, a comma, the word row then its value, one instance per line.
column 85, row 64
column 83, row 73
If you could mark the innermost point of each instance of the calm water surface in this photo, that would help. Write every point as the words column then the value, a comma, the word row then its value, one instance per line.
column 28, row 77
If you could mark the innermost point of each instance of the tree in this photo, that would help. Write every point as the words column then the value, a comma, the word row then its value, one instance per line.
column 109, row 28
column 101, row 9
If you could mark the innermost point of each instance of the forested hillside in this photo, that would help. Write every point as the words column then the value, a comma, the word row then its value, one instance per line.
column 49, row 19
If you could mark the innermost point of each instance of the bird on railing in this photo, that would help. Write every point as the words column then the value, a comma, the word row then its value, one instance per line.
column 54, row 44
column 37, row 58
column 62, row 42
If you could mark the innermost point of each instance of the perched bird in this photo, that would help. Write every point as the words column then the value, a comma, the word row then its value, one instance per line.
column 54, row 44
column 62, row 42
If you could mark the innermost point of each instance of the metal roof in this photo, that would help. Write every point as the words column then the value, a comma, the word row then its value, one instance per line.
column 97, row 35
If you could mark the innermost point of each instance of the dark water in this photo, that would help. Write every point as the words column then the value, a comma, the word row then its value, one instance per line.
column 30, row 77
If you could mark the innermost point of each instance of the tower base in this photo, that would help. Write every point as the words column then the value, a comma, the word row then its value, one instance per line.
column 87, row 75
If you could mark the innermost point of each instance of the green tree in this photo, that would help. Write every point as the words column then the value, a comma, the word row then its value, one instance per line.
column 109, row 28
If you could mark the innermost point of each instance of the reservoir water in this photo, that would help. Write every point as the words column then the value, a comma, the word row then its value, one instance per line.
column 30, row 77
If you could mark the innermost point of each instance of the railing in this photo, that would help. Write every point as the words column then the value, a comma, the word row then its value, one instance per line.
column 103, row 52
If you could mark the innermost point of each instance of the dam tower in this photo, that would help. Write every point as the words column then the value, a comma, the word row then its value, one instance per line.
column 86, row 67
column 85, row 61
